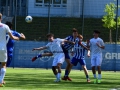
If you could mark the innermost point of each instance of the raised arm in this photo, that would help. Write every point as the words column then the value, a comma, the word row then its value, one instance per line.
column 13, row 37
column 22, row 36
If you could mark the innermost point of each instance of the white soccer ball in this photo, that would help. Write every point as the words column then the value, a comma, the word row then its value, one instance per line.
column 28, row 19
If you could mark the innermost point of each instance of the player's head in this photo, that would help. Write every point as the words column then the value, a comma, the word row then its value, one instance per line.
column 50, row 37
column 80, row 37
column 9, row 24
column 75, row 32
column 96, row 33
column 0, row 16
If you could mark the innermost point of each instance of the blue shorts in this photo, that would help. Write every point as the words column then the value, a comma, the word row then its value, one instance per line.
column 74, row 61
column 66, row 53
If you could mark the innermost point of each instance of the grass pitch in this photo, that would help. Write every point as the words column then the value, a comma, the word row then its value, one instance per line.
column 42, row 79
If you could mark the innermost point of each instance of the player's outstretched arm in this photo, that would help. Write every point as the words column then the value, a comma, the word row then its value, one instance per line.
column 80, row 43
column 13, row 37
column 69, row 41
column 40, row 48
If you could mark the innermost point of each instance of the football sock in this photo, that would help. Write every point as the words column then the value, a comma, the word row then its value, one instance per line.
column 58, row 75
column 66, row 73
column 87, row 76
column 38, row 56
column 94, row 75
column 3, row 71
column 99, row 76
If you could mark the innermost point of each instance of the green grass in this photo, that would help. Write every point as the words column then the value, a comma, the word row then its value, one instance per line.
column 42, row 79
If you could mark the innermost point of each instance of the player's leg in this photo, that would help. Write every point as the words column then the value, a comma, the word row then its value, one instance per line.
column 67, row 70
column 60, row 59
column 54, row 71
column 54, row 67
column 73, row 63
column 3, row 60
column 86, row 72
column 41, row 55
column 93, row 64
column 9, row 61
column 83, row 64
column 59, row 71
column 99, row 61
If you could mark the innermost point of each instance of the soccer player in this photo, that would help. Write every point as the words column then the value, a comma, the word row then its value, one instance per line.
column 55, row 47
column 79, row 56
column 66, row 47
column 10, row 42
column 3, row 51
column 96, row 45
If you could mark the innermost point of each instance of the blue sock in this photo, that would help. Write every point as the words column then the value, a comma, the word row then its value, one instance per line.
column 87, row 76
column 66, row 73
column 39, row 55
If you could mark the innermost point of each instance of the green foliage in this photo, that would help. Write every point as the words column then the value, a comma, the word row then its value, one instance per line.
column 110, row 16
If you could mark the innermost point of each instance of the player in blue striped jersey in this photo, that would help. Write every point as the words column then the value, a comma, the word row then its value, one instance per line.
column 79, row 55
column 66, row 47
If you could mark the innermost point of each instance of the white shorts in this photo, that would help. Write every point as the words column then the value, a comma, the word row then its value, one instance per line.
column 3, row 56
column 96, row 60
column 58, row 59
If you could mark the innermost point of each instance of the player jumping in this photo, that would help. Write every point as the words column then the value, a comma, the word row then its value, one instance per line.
column 96, row 44
column 66, row 47
column 55, row 47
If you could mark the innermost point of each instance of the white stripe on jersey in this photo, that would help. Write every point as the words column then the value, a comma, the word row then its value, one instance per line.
column 79, row 51
column 68, row 46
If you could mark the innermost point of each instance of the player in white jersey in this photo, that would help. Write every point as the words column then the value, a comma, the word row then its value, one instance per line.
column 55, row 48
column 96, row 45
column 3, row 50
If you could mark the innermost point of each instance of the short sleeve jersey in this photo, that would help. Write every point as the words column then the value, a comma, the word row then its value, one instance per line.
column 4, row 29
column 10, row 42
column 55, row 46
column 93, row 46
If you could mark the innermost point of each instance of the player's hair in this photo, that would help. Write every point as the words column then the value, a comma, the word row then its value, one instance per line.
column 96, row 31
column 9, row 24
column 80, row 36
column 50, row 35
column 0, row 16
column 74, row 30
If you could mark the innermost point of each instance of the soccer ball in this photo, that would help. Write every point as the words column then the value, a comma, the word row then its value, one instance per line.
column 28, row 19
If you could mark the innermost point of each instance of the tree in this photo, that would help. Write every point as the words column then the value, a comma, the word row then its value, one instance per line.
column 109, row 19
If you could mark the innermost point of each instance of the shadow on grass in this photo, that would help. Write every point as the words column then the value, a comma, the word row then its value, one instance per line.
column 45, row 80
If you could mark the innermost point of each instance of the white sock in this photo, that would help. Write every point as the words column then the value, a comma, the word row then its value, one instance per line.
column 3, row 71
column 99, row 76
column 94, row 75
column 59, row 75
